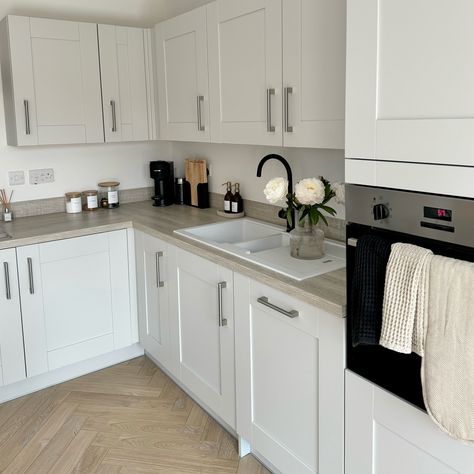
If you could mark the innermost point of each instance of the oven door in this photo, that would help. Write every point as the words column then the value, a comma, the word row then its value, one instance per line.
column 395, row 372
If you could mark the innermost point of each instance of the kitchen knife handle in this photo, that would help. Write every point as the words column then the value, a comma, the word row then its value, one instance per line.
column 220, row 287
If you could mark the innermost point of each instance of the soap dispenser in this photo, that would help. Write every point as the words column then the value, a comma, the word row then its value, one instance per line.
column 228, row 198
column 237, row 201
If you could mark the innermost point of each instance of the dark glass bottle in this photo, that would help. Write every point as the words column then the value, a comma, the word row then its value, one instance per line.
column 237, row 201
column 228, row 198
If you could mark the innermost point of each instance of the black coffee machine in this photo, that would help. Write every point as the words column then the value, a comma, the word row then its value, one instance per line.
column 162, row 172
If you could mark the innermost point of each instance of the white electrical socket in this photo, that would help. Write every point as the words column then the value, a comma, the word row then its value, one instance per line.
column 16, row 178
column 42, row 176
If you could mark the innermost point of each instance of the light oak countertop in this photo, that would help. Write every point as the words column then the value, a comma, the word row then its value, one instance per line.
column 327, row 291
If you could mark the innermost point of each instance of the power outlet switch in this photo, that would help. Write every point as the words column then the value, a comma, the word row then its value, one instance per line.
column 16, row 178
column 42, row 176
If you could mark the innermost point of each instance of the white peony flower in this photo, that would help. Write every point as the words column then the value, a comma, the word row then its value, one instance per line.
column 310, row 191
column 340, row 192
column 276, row 190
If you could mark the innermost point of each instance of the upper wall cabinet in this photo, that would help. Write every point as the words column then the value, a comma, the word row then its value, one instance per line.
column 263, row 94
column 183, row 88
column 51, row 81
column 245, row 65
column 124, row 84
column 410, row 76
column 314, row 64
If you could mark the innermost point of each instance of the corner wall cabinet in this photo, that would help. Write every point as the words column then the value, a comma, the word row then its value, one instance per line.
column 183, row 85
column 51, row 81
column 290, row 380
column 12, row 359
column 124, row 83
column 386, row 435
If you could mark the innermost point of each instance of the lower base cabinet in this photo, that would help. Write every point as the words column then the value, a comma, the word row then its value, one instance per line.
column 290, row 380
column 75, row 299
column 205, row 302
column 386, row 435
column 12, row 359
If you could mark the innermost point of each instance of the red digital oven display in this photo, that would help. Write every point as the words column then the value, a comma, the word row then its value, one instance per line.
column 437, row 213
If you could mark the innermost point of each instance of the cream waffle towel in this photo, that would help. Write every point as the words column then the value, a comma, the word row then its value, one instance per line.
column 406, row 282
column 447, row 371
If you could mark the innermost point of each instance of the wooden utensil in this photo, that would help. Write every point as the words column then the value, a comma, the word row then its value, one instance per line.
column 196, row 173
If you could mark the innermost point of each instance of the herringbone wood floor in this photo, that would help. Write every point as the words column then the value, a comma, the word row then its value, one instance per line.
column 130, row 418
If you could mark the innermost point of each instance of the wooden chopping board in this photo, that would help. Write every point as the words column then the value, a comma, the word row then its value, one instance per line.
column 196, row 173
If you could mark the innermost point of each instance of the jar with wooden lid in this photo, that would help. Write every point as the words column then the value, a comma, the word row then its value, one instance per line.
column 109, row 194
column 73, row 203
column 90, row 200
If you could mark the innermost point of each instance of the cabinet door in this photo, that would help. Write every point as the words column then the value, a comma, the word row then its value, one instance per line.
column 290, row 380
column 12, row 359
column 245, row 65
column 55, row 79
column 314, row 63
column 386, row 435
column 183, row 85
column 75, row 299
column 206, row 333
column 155, row 263
column 124, row 88
column 410, row 73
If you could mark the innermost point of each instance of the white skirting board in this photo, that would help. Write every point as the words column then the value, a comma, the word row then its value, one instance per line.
column 69, row 372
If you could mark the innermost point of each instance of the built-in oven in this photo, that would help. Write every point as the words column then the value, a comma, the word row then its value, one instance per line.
column 440, row 223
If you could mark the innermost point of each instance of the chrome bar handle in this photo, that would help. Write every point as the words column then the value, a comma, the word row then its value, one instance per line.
column 114, row 116
column 26, row 105
column 30, row 275
column 288, row 91
column 290, row 314
column 220, row 287
column 270, row 127
column 159, row 282
column 200, row 100
column 7, row 281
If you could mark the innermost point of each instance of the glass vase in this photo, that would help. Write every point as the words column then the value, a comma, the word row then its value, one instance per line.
column 306, row 239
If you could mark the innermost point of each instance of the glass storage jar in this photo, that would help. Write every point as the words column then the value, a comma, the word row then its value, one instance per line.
column 109, row 191
column 90, row 200
column 73, row 203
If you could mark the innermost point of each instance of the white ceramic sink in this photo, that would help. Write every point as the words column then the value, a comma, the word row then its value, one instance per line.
column 266, row 245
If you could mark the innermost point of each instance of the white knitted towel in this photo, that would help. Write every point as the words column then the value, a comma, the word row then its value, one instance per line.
column 447, row 371
column 403, row 311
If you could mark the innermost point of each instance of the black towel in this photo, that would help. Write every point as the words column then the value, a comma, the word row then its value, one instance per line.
column 371, row 258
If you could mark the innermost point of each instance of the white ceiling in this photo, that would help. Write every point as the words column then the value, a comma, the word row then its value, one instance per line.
column 120, row 12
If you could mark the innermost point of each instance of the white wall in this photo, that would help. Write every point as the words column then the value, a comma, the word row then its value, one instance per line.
column 238, row 163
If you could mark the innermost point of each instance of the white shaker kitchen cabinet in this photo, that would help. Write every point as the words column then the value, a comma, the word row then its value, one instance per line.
column 205, row 301
column 12, row 359
column 386, row 435
column 245, row 67
column 290, row 360
column 410, row 75
column 157, row 315
column 51, row 81
column 75, row 299
column 314, row 63
column 182, row 75
column 123, row 72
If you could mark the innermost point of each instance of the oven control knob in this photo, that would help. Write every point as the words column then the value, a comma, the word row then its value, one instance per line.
column 380, row 211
